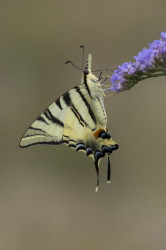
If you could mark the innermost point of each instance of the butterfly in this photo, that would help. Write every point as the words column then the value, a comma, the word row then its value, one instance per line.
column 77, row 119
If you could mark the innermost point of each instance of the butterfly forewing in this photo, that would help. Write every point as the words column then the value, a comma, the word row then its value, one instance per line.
column 65, row 118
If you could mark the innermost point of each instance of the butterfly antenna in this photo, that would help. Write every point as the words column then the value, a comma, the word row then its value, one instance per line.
column 73, row 65
column 82, row 47
column 102, row 83
column 100, row 76
column 103, row 70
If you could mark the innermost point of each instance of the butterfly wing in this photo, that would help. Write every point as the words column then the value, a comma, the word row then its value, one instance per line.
column 72, row 120
column 48, row 127
column 85, row 127
column 63, row 121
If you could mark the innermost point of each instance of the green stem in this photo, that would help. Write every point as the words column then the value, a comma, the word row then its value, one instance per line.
column 152, row 75
column 130, row 83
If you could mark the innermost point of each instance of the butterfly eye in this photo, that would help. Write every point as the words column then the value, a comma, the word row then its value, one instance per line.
column 86, row 72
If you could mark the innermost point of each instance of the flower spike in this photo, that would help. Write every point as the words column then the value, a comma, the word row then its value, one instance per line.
column 150, row 62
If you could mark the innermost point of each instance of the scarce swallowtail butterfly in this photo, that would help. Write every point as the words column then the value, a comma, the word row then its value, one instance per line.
column 77, row 119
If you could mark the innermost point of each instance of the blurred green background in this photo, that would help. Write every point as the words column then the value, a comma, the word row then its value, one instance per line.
column 47, row 198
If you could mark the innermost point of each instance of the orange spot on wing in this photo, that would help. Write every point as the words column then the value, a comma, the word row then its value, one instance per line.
column 97, row 132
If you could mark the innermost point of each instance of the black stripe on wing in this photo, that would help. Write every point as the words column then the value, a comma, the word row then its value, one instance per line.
column 44, row 142
column 52, row 118
column 78, row 116
column 41, row 119
column 86, row 72
column 86, row 103
column 58, row 103
column 38, row 129
column 67, row 99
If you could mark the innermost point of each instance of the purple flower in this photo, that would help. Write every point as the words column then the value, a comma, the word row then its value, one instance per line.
column 150, row 62
column 163, row 35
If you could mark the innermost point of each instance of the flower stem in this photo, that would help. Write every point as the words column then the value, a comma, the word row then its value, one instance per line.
column 152, row 75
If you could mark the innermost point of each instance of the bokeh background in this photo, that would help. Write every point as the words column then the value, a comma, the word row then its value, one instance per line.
column 47, row 198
